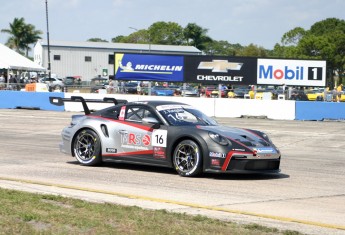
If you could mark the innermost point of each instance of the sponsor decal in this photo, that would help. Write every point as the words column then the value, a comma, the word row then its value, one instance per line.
column 136, row 141
column 220, row 66
column 242, row 150
column 111, row 150
column 219, row 78
column 172, row 107
column 217, row 155
column 286, row 72
column 159, row 152
column 220, row 70
column 156, row 68
column 148, row 67
column 122, row 113
column 291, row 72
column 265, row 150
column 215, row 162
column 146, row 140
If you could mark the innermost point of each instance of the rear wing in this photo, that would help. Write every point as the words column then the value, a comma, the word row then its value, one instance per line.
column 59, row 101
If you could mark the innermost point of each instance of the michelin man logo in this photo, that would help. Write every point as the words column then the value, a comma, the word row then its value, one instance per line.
column 127, row 67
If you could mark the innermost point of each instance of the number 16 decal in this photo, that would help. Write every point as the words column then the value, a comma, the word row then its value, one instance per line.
column 159, row 138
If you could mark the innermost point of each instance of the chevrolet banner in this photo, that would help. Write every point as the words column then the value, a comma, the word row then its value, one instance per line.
column 220, row 70
column 144, row 67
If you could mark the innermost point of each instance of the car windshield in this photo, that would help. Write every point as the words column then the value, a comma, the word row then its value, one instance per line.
column 184, row 115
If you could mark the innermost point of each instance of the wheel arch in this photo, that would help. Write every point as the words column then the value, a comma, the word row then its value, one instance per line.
column 198, row 139
column 77, row 133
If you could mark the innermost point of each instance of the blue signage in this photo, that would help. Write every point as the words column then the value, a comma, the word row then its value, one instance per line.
column 144, row 67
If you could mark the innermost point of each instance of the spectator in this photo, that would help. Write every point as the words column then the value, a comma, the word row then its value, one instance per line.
column 122, row 87
column 139, row 88
column 339, row 91
column 79, row 82
column 334, row 94
column 110, row 89
column 13, row 82
column 2, row 81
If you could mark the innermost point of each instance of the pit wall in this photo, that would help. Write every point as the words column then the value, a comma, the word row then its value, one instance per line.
column 216, row 107
column 29, row 100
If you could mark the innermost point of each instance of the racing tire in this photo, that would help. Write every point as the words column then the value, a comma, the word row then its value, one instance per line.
column 187, row 159
column 87, row 148
column 57, row 87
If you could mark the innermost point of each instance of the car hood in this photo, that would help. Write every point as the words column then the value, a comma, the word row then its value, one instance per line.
column 246, row 137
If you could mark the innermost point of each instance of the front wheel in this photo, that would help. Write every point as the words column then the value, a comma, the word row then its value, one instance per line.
column 187, row 158
column 87, row 148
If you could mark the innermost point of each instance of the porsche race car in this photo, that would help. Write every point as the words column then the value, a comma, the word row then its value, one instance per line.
column 164, row 133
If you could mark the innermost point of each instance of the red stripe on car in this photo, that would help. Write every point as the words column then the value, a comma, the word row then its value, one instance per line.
column 145, row 128
column 229, row 156
column 143, row 152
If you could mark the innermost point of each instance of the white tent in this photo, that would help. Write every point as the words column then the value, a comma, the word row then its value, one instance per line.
column 11, row 60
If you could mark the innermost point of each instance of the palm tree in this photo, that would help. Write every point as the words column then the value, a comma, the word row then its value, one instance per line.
column 22, row 35
column 196, row 36
column 16, row 32
column 31, row 35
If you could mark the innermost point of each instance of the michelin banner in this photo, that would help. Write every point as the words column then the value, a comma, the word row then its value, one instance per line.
column 143, row 67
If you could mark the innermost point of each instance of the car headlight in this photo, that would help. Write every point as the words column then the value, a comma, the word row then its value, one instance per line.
column 218, row 138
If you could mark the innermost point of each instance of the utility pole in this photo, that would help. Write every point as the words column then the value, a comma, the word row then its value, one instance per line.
column 49, row 65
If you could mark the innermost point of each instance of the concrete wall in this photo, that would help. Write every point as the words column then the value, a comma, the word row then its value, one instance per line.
column 272, row 109
column 32, row 100
column 320, row 111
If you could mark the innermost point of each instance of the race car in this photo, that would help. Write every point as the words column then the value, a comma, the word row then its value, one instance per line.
column 164, row 133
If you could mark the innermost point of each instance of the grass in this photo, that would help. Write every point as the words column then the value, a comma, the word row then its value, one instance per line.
column 28, row 213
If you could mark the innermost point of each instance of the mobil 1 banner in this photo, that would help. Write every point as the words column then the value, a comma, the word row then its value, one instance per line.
column 220, row 70
column 291, row 72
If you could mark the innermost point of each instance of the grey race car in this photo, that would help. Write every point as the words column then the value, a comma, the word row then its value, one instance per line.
column 165, row 133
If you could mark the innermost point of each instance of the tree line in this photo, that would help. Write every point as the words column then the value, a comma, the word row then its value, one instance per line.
column 325, row 40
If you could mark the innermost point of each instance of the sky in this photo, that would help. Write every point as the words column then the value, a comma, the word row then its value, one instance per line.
column 260, row 22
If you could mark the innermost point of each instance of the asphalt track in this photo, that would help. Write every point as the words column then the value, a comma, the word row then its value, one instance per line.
column 308, row 195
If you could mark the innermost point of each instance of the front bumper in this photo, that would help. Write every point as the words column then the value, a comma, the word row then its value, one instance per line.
column 249, row 166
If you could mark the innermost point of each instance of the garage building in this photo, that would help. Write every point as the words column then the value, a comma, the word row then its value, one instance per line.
column 93, row 59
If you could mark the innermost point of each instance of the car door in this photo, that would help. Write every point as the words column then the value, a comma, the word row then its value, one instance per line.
column 133, row 138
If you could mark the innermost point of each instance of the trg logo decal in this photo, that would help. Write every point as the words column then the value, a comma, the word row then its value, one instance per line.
column 220, row 66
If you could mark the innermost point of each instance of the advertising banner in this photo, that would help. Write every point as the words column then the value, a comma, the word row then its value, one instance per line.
column 291, row 72
column 220, row 70
column 144, row 67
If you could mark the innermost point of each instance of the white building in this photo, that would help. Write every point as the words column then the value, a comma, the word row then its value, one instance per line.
column 92, row 59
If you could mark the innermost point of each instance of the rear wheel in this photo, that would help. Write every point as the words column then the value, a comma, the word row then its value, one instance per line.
column 187, row 158
column 57, row 87
column 87, row 148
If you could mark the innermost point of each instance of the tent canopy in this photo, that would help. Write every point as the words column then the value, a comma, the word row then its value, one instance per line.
column 10, row 59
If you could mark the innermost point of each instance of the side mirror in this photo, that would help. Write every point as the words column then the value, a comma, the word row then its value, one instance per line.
column 151, row 120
